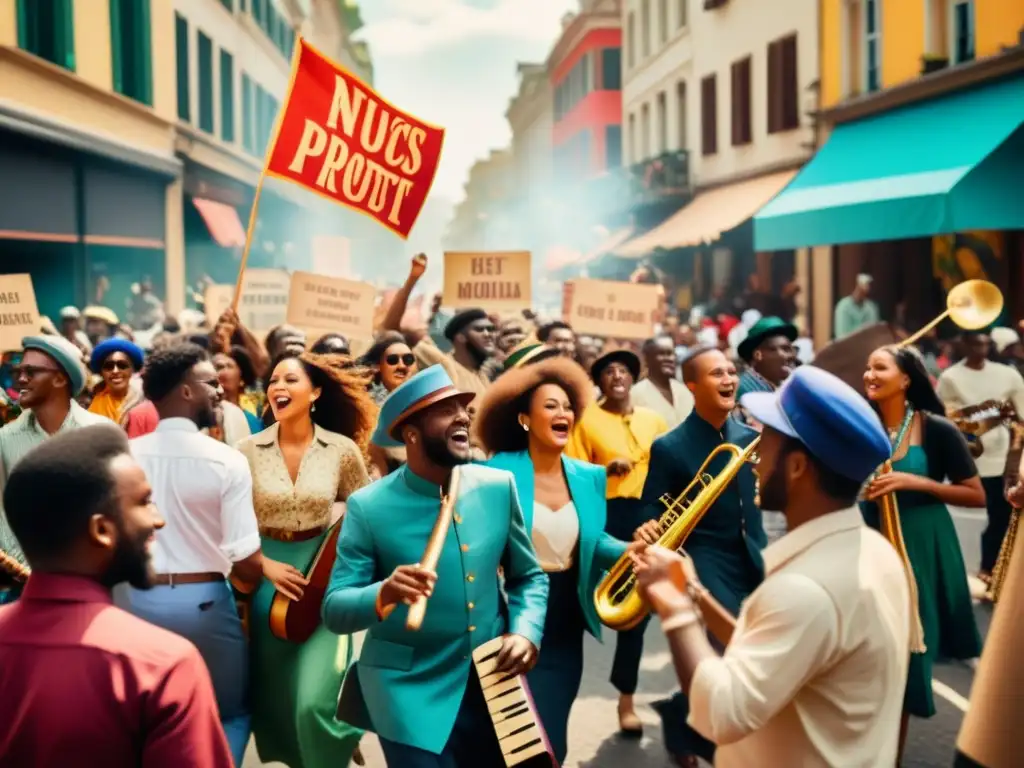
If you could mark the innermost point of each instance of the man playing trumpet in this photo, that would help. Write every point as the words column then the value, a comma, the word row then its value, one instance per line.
column 814, row 672
column 417, row 689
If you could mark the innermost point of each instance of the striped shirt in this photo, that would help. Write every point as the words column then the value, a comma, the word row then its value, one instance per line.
column 750, row 381
column 16, row 440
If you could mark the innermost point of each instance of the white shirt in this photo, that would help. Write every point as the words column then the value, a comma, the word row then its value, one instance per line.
column 960, row 386
column 203, row 490
column 816, row 670
column 555, row 533
column 646, row 395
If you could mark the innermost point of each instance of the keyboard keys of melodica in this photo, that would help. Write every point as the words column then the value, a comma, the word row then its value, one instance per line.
column 520, row 732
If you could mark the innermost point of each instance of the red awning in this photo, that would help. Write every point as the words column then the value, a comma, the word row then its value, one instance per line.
column 223, row 222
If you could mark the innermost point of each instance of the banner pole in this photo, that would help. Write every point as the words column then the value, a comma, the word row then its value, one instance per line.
column 248, row 241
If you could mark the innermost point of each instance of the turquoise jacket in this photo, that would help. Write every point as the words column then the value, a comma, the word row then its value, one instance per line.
column 597, row 551
column 412, row 682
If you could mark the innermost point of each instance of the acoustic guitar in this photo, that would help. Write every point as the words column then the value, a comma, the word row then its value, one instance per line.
column 296, row 620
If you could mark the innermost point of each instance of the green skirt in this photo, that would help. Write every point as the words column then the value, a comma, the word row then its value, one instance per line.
column 295, row 687
column 944, row 597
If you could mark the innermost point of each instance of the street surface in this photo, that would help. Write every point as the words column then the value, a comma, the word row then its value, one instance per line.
column 593, row 742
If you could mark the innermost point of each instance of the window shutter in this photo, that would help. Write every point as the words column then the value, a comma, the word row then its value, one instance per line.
column 116, row 51
column 68, row 32
column 773, row 87
column 709, row 116
column 790, row 85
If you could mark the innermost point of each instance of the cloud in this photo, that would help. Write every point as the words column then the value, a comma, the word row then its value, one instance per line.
column 410, row 28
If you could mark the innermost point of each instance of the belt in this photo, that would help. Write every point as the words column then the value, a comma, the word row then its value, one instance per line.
column 282, row 534
column 172, row 579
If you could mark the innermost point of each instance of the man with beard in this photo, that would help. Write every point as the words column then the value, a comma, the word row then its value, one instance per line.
column 83, row 683
column 769, row 352
column 418, row 690
column 726, row 544
column 48, row 379
column 816, row 665
column 471, row 333
column 661, row 391
column 203, row 488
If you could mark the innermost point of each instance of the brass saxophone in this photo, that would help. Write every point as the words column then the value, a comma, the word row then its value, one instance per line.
column 618, row 603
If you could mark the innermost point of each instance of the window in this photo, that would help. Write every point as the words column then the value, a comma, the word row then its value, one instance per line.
column 613, row 146
column 661, row 114
column 681, row 18
column 663, row 21
column 46, row 28
column 248, row 123
column 963, row 31
column 205, row 83
column 645, row 26
column 708, row 116
column 260, row 120
column 632, row 139
column 783, row 86
column 742, row 131
column 611, row 69
column 131, row 49
column 631, row 40
column 259, row 11
column 681, row 116
column 645, row 132
column 872, row 46
column 181, row 43
column 229, row 4
column 227, row 97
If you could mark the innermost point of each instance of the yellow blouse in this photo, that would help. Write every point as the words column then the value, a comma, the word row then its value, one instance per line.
column 601, row 436
column 105, row 404
column 331, row 469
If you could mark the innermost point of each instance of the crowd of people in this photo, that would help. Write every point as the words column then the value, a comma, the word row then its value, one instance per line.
column 171, row 503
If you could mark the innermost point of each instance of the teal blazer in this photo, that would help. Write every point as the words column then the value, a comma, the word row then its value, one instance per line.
column 597, row 550
column 412, row 682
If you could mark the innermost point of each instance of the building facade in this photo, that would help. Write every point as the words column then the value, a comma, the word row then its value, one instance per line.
column 585, row 69
column 720, row 99
column 131, row 140
column 484, row 220
column 920, row 142
column 88, row 174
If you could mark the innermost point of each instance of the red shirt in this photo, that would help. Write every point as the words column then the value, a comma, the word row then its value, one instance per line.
column 85, row 684
column 142, row 419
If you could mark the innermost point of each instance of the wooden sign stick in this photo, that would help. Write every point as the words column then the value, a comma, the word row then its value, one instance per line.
column 253, row 212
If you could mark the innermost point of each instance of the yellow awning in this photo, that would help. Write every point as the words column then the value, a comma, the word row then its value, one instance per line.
column 709, row 214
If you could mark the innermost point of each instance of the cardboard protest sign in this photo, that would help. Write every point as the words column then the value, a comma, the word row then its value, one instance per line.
column 498, row 281
column 332, row 304
column 340, row 139
column 264, row 302
column 19, row 315
column 613, row 310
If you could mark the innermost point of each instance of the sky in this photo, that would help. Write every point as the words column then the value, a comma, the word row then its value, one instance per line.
column 453, row 63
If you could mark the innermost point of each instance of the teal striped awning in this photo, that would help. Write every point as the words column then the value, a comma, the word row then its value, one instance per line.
column 946, row 165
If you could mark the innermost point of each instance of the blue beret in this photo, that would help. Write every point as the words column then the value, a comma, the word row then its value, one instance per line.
column 106, row 348
column 833, row 421
column 64, row 353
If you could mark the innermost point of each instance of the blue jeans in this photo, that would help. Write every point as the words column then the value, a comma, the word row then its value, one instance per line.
column 205, row 614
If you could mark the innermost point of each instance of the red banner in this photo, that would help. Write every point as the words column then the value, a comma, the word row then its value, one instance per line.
column 337, row 137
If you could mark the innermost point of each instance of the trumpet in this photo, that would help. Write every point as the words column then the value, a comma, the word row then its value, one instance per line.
column 617, row 600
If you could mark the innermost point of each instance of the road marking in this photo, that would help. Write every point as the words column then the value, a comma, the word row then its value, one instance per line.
column 950, row 695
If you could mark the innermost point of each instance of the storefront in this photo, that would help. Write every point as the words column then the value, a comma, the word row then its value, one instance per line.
column 922, row 196
column 84, row 216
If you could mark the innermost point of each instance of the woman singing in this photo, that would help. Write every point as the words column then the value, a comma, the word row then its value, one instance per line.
column 525, row 419
column 614, row 434
column 116, row 360
column 927, row 450
column 309, row 459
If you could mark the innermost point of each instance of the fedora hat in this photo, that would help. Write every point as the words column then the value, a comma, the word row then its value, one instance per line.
column 763, row 329
column 428, row 387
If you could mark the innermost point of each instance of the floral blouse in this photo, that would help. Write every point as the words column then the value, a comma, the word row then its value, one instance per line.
column 331, row 470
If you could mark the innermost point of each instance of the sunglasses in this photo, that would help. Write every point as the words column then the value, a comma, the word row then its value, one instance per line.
column 408, row 358
column 31, row 371
column 117, row 365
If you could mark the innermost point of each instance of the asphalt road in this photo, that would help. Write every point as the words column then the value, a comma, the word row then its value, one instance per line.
column 593, row 742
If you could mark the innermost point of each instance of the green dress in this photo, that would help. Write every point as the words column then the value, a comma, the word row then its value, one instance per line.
column 295, row 686
column 944, row 597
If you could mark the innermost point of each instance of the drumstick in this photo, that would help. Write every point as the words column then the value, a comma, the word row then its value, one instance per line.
column 418, row 610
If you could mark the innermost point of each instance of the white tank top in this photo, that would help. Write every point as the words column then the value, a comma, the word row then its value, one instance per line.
column 555, row 534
